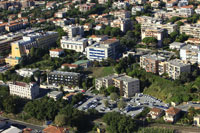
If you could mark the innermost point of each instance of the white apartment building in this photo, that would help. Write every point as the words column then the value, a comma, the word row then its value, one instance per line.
column 55, row 95
column 153, row 32
column 102, row 1
column 78, row 44
column 98, row 38
column 190, row 53
column 56, row 52
column 121, row 14
column 26, row 72
column 191, row 29
column 136, row 9
column 120, row 5
column 103, row 50
column 123, row 24
column 74, row 30
column 187, row 10
column 176, row 45
column 24, row 90
column 127, row 85
column 175, row 67
column 169, row 27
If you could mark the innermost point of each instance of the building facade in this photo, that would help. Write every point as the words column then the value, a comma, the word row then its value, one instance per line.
column 128, row 86
column 64, row 78
column 190, row 53
column 78, row 44
column 103, row 50
column 24, row 90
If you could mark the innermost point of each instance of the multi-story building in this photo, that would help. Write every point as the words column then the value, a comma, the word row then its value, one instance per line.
column 103, row 50
column 151, row 62
column 197, row 10
column 155, row 4
column 102, row 1
column 56, row 52
column 193, row 41
column 175, row 67
column 150, row 20
column 98, row 38
column 187, row 10
column 183, row 3
column 74, row 30
column 60, row 14
column 120, row 5
column 121, row 14
column 64, row 78
column 27, row 72
column 191, row 29
column 5, row 42
column 123, row 24
column 172, row 114
column 24, row 90
column 190, row 53
column 156, row 113
column 78, row 44
column 136, row 9
column 22, row 47
column 168, row 27
column 128, row 86
column 154, row 32
column 55, row 95
column 86, row 7
column 176, row 45
column 196, row 120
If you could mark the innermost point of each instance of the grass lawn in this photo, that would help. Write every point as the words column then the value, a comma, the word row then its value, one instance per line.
column 101, row 71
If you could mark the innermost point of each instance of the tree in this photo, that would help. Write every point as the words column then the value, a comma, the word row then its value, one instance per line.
column 60, row 120
column 106, row 103
column 149, row 40
column 121, row 104
column 114, row 96
column 112, row 89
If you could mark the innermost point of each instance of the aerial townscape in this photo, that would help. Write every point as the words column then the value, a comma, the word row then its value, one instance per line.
column 99, row 66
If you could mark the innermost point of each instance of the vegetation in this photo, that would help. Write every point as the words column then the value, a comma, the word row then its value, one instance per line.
column 117, row 123
column 155, row 130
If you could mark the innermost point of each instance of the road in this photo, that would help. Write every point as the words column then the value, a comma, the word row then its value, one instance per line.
column 23, row 124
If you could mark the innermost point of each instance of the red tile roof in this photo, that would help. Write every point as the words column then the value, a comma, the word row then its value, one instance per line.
column 54, row 129
column 57, row 50
column 173, row 111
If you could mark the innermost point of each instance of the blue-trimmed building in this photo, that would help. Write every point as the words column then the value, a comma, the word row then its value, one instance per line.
column 103, row 50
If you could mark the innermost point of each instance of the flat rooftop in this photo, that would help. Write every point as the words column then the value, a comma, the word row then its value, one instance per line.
column 127, row 78
column 64, row 73
column 177, row 62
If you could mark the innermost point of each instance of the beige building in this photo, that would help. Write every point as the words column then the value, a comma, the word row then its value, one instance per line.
column 24, row 90
column 56, row 52
column 153, row 32
column 128, row 86
column 172, row 114
column 74, row 30
column 191, row 29
column 78, row 44
column 169, row 27
column 156, row 113
column 175, row 67
column 197, row 120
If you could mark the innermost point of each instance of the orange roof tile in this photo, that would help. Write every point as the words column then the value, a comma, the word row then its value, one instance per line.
column 57, row 50
column 173, row 111
column 54, row 129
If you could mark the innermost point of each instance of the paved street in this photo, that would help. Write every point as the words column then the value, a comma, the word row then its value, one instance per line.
column 21, row 124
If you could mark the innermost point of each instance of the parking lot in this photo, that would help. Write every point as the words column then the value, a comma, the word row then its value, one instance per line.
column 134, row 105
column 4, row 68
